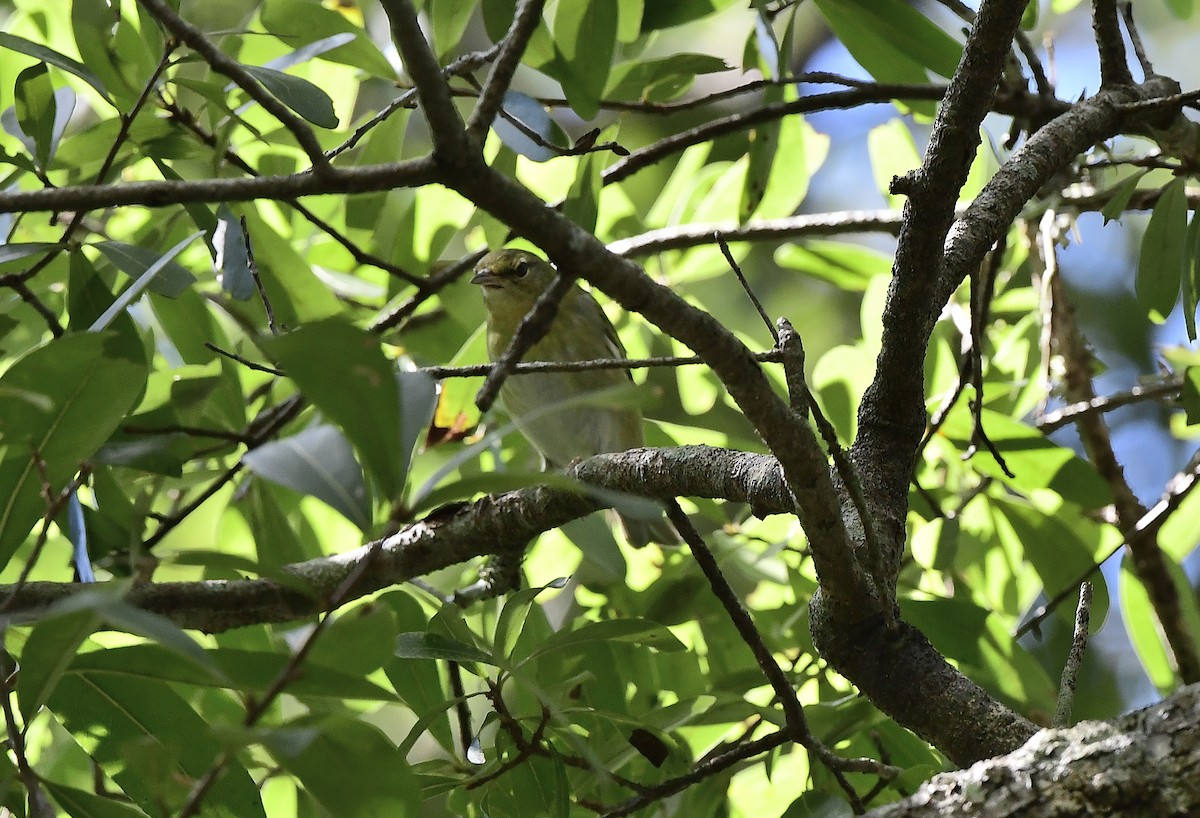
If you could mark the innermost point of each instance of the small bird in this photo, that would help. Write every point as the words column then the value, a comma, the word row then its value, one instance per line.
column 511, row 281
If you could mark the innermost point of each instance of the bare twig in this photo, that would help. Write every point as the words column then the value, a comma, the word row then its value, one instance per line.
column 737, row 271
column 1058, row 418
column 254, row 274
column 1070, row 674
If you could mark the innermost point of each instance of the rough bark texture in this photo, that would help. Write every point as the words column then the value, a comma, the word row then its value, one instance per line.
column 1146, row 763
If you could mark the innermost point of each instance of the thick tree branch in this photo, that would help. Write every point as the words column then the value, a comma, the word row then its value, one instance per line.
column 785, row 433
column 501, row 524
column 366, row 179
column 1145, row 763
column 445, row 125
column 891, row 417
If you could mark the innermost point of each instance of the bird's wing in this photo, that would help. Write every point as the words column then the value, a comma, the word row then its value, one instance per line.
column 595, row 315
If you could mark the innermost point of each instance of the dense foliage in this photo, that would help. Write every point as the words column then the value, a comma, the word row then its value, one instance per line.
column 236, row 385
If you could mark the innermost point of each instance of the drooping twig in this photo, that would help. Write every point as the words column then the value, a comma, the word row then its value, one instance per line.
column 254, row 274
column 737, row 271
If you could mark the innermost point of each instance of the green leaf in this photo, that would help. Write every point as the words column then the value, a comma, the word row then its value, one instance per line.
column 1119, row 196
column 232, row 256
column 1161, row 262
column 317, row 462
column 35, row 109
column 659, row 15
column 358, row 641
column 512, row 615
column 297, row 93
column 84, row 804
column 248, row 671
column 585, row 34
column 954, row 626
column 1182, row 8
column 848, row 266
column 20, row 250
column 1060, row 547
column 150, row 741
column 115, row 612
column 450, row 18
column 342, row 745
column 90, row 381
column 582, row 203
column 1191, row 276
column 169, row 279
column 1035, row 461
column 48, row 653
column 52, row 57
column 141, row 283
column 301, row 21
column 434, row 646
column 343, row 371
column 662, row 79
column 632, row 630
column 896, row 27
column 1141, row 623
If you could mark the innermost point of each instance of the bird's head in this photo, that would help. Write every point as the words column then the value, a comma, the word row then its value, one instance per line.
column 512, row 280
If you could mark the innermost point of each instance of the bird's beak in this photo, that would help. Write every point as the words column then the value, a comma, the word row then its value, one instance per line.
column 485, row 278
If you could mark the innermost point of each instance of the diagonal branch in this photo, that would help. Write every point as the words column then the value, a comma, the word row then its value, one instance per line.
column 525, row 22
column 445, row 125
column 222, row 63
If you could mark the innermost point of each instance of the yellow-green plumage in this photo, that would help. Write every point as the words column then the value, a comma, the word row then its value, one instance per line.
column 511, row 281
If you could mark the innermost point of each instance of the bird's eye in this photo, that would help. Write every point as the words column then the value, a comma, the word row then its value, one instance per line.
column 521, row 269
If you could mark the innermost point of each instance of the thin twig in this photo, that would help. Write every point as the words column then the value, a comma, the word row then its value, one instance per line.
column 474, row 371
column 1052, row 421
column 533, row 328
column 1135, row 38
column 797, row 723
column 246, row 362
column 1070, row 674
column 254, row 274
column 737, row 271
